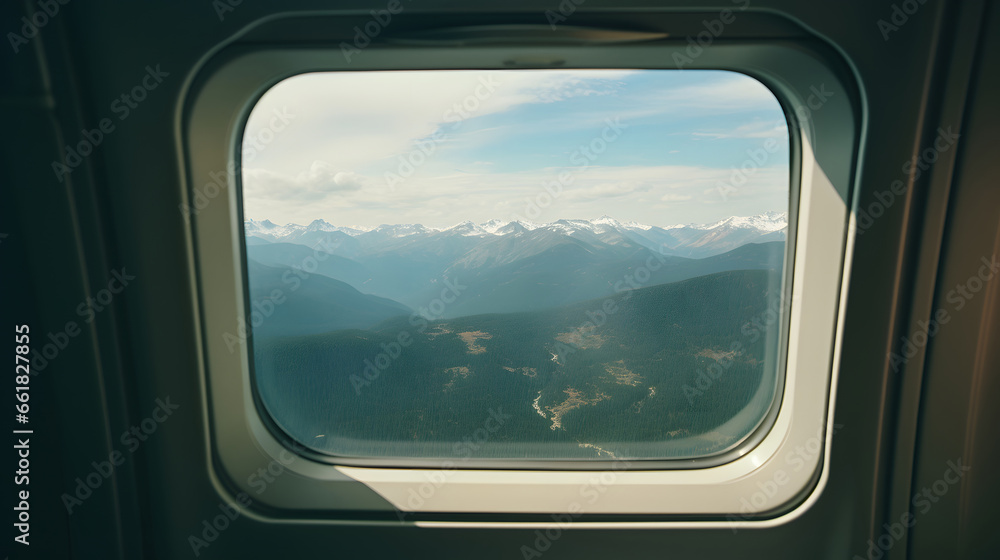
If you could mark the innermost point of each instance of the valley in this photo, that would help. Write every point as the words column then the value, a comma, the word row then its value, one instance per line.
column 595, row 344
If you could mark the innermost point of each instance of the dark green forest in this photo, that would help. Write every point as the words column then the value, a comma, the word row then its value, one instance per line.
column 674, row 370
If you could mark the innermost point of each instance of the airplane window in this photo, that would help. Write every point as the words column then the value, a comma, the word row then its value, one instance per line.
column 520, row 264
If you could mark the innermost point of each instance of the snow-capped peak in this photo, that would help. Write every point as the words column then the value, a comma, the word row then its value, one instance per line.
column 605, row 223
column 353, row 231
column 402, row 230
column 526, row 224
column 468, row 228
column 260, row 225
column 637, row 225
column 493, row 226
column 766, row 222
column 321, row 225
column 501, row 227
column 268, row 229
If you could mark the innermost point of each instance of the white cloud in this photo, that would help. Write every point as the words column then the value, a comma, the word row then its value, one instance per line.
column 649, row 195
column 315, row 184
column 352, row 119
column 756, row 129
column 349, row 128
column 608, row 190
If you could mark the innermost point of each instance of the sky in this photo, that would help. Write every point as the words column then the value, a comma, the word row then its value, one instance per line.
column 658, row 147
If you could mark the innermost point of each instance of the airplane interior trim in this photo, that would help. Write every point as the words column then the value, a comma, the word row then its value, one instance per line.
column 140, row 429
column 212, row 134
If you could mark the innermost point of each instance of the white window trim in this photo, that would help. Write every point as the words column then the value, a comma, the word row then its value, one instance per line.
column 209, row 130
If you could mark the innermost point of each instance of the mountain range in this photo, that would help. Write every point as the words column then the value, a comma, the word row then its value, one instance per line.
column 510, row 266
column 691, row 240
column 393, row 340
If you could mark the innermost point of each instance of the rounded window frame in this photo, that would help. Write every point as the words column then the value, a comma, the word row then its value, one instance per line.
column 210, row 135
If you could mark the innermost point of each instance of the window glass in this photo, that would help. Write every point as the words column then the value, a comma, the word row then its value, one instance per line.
column 538, row 264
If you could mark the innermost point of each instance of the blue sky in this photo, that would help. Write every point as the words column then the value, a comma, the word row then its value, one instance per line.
column 438, row 148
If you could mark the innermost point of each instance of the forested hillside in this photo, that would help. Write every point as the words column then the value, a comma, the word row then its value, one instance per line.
column 649, row 372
